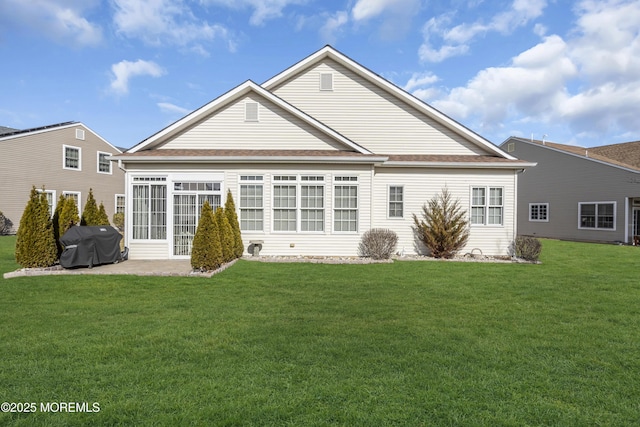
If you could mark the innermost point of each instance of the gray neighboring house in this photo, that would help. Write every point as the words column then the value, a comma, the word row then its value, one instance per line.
column 576, row 193
column 67, row 159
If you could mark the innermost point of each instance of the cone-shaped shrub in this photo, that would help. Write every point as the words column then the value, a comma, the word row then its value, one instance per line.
column 90, row 212
column 226, row 235
column 55, row 222
column 5, row 224
column 444, row 228
column 35, row 243
column 68, row 216
column 103, row 218
column 206, row 253
column 232, row 216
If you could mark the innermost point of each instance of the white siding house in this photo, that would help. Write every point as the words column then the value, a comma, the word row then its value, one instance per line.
column 315, row 157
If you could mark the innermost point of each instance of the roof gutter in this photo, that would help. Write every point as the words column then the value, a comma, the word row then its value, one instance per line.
column 251, row 159
column 458, row 165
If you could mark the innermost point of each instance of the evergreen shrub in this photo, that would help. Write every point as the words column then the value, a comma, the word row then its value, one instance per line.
column 35, row 241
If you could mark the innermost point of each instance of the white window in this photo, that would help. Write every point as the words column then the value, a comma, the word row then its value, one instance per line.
column 326, row 81
column 251, row 203
column 597, row 215
column 188, row 199
column 396, row 201
column 51, row 200
column 149, row 219
column 345, row 204
column 539, row 212
column 71, row 157
column 284, row 203
column 104, row 165
column 76, row 196
column 251, row 111
column 312, row 203
column 298, row 203
column 120, row 200
column 487, row 205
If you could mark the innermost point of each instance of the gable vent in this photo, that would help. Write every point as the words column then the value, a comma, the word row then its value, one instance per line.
column 511, row 147
column 251, row 112
column 326, row 81
column 80, row 134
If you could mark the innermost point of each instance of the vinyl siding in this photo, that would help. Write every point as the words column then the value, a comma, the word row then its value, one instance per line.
column 370, row 116
column 37, row 159
column 564, row 181
column 275, row 129
column 421, row 185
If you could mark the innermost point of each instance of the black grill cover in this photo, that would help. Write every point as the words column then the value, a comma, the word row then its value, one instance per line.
column 86, row 246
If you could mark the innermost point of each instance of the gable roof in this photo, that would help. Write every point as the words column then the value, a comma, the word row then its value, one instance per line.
column 624, row 155
column 331, row 53
column 238, row 92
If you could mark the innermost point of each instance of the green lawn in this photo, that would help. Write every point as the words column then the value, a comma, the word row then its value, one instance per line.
column 408, row 343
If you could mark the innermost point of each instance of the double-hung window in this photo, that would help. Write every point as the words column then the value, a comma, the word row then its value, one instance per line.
column 149, row 219
column 75, row 196
column 71, row 157
column 251, row 203
column 539, row 212
column 104, row 165
column 345, row 204
column 50, row 196
column 396, row 201
column 597, row 215
column 487, row 205
column 298, row 203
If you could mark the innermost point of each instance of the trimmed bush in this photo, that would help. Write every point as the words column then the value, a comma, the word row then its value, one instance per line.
column 206, row 253
column 444, row 228
column 378, row 243
column 102, row 218
column 90, row 214
column 5, row 224
column 232, row 216
column 35, row 242
column 527, row 248
column 118, row 221
column 226, row 235
column 68, row 216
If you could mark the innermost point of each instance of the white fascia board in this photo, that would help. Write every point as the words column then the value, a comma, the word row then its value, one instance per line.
column 250, row 159
column 460, row 165
column 329, row 52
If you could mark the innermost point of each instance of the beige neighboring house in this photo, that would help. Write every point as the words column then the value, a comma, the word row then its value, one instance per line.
column 67, row 159
column 315, row 157
column 578, row 193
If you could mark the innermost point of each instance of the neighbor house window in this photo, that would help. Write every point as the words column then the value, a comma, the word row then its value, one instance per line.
column 51, row 200
column 251, row 203
column 539, row 212
column 104, row 165
column 345, row 204
column 597, row 215
column 120, row 203
column 487, row 205
column 71, row 158
column 396, row 201
column 75, row 196
column 149, row 210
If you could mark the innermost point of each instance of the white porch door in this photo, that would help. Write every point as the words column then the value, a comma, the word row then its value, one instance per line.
column 186, row 214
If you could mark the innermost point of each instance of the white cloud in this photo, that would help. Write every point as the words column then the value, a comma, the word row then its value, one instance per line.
column 263, row 10
column 158, row 22
column 167, row 107
column 123, row 71
column 333, row 25
column 418, row 80
column 454, row 41
column 395, row 15
column 61, row 20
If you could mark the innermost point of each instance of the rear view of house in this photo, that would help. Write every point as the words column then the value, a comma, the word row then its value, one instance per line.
column 577, row 193
column 66, row 159
column 315, row 157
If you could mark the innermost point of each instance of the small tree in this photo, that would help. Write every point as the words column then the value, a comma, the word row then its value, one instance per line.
column 35, row 242
column 226, row 235
column 68, row 216
column 5, row 224
column 102, row 218
column 90, row 212
column 444, row 228
column 206, row 253
column 118, row 221
column 232, row 216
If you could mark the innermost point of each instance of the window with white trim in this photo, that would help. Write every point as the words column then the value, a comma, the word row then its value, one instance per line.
column 251, row 203
column 312, row 203
column 75, row 196
column 284, row 203
column 539, row 212
column 188, row 199
column 71, row 157
column 487, row 205
column 149, row 210
column 345, row 204
column 120, row 203
column 597, row 215
column 298, row 203
column 51, row 200
column 104, row 165
column 396, row 201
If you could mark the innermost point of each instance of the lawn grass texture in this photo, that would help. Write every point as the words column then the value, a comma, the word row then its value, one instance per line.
column 408, row 343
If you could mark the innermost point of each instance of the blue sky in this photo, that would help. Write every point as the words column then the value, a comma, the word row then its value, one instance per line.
column 569, row 70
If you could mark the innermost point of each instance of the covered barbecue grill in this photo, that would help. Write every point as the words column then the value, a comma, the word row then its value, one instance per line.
column 86, row 246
